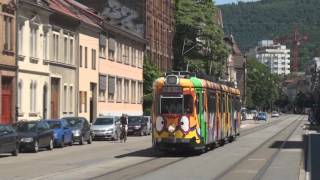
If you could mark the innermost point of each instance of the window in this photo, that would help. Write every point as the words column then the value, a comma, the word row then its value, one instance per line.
column 65, row 46
column 33, row 42
column 71, row 51
column 102, row 46
column 33, row 96
column 119, row 52
column 126, row 90
column 134, row 57
column 188, row 104
column 20, row 96
column 119, row 89
column 140, row 59
column 102, row 87
column 126, row 54
column 93, row 59
column 111, row 88
column 55, row 45
column 86, row 57
column 133, row 92
column 8, row 31
column 140, row 92
column 83, row 101
column 111, row 47
column 81, row 56
column 65, row 95
column 20, row 39
column 70, row 99
column 45, row 45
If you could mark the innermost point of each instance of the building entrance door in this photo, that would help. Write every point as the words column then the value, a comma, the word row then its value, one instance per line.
column 6, row 101
column 93, row 101
column 55, row 97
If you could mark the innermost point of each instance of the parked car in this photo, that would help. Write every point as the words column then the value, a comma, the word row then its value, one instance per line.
column 9, row 141
column 107, row 127
column 80, row 129
column 34, row 135
column 275, row 114
column 61, row 132
column 138, row 125
column 262, row 116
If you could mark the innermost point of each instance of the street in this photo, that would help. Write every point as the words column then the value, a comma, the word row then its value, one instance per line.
column 264, row 150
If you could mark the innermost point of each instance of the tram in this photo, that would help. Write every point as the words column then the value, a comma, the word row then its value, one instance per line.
column 193, row 113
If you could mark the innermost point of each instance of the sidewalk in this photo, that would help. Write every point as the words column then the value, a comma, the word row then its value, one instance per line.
column 312, row 163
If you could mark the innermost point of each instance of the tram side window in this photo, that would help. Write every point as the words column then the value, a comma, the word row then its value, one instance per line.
column 188, row 104
column 222, row 103
column 212, row 102
column 198, row 103
column 237, row 104
column 230, row 103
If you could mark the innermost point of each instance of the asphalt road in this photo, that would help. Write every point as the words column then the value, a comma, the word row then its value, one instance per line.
column 136, row 160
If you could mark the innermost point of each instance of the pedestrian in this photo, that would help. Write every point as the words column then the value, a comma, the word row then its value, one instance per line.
column 124, row 127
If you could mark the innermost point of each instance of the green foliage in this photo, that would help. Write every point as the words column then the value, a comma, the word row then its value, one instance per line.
column 267, row 19
column 262, row 86
column 150, row 73
column 198, row 40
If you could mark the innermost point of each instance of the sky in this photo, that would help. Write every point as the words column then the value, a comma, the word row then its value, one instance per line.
column 219, row 2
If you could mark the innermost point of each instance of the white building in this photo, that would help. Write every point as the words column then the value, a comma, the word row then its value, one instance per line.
column 275, row 56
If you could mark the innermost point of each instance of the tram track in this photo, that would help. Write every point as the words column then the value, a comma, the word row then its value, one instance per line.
column 256, row 163
column 162, row 160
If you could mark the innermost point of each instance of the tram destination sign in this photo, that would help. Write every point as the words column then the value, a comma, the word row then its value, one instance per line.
column 172, row 89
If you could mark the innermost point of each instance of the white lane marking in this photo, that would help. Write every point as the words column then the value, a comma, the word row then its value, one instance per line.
column 308, row 174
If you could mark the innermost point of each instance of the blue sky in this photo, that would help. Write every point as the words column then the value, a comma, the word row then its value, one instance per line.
column 219, row 2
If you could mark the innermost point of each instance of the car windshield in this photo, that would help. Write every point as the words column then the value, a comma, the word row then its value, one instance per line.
column 103, row 121
column 27, row 127
column 262, row 114
column 3, row 128
column 54, row 124
column 132, row 120
column 274, row 112
column 74, row 122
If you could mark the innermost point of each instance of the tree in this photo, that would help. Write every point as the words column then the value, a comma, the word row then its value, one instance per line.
column 150, row 73
column 198, row 40
column 262, row 87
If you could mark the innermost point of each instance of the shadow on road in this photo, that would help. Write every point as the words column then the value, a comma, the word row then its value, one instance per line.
column 151, row 152
column 287, row 145
column 4, row 155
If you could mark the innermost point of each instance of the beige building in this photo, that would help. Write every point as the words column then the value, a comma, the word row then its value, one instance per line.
column 7, row 61
column 33, row 51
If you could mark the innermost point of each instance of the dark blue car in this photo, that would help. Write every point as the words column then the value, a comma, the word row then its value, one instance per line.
column 62, row 132
column 262, row 116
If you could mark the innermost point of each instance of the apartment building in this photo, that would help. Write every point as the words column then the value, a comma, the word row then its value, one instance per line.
column 7, row 61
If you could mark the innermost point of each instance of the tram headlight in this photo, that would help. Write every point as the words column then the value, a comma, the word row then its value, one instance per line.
column 184, row 124
column 159, row 123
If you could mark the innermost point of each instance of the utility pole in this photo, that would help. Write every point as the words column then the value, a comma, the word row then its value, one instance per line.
column 244, row 81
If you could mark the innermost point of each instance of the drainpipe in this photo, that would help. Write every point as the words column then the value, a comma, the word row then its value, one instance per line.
column 16, row 61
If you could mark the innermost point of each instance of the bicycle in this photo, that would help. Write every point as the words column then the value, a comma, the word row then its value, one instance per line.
column 123, row 135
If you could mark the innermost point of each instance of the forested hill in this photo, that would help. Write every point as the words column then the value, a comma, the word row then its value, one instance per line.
column 266, row 19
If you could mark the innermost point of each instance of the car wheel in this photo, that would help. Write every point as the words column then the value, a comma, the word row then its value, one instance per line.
column 81, row 140
column 90, row 139
column 50, row 147
column 62, row 142
column 36, row 147
column 15, row 152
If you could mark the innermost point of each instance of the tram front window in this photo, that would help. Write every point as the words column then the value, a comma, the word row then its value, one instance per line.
column 171, row 105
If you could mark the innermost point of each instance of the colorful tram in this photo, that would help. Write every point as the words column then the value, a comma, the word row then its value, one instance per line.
column 191, row 113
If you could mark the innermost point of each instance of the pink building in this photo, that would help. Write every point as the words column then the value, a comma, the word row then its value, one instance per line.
column 121, row 74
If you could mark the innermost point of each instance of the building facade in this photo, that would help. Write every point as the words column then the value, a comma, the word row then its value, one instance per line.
column 33, row 52
column 275, row 56
column 121, row 54
column 7, row 61
column 159, row 32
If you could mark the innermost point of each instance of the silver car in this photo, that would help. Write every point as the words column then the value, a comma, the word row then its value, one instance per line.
column 107, row 127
